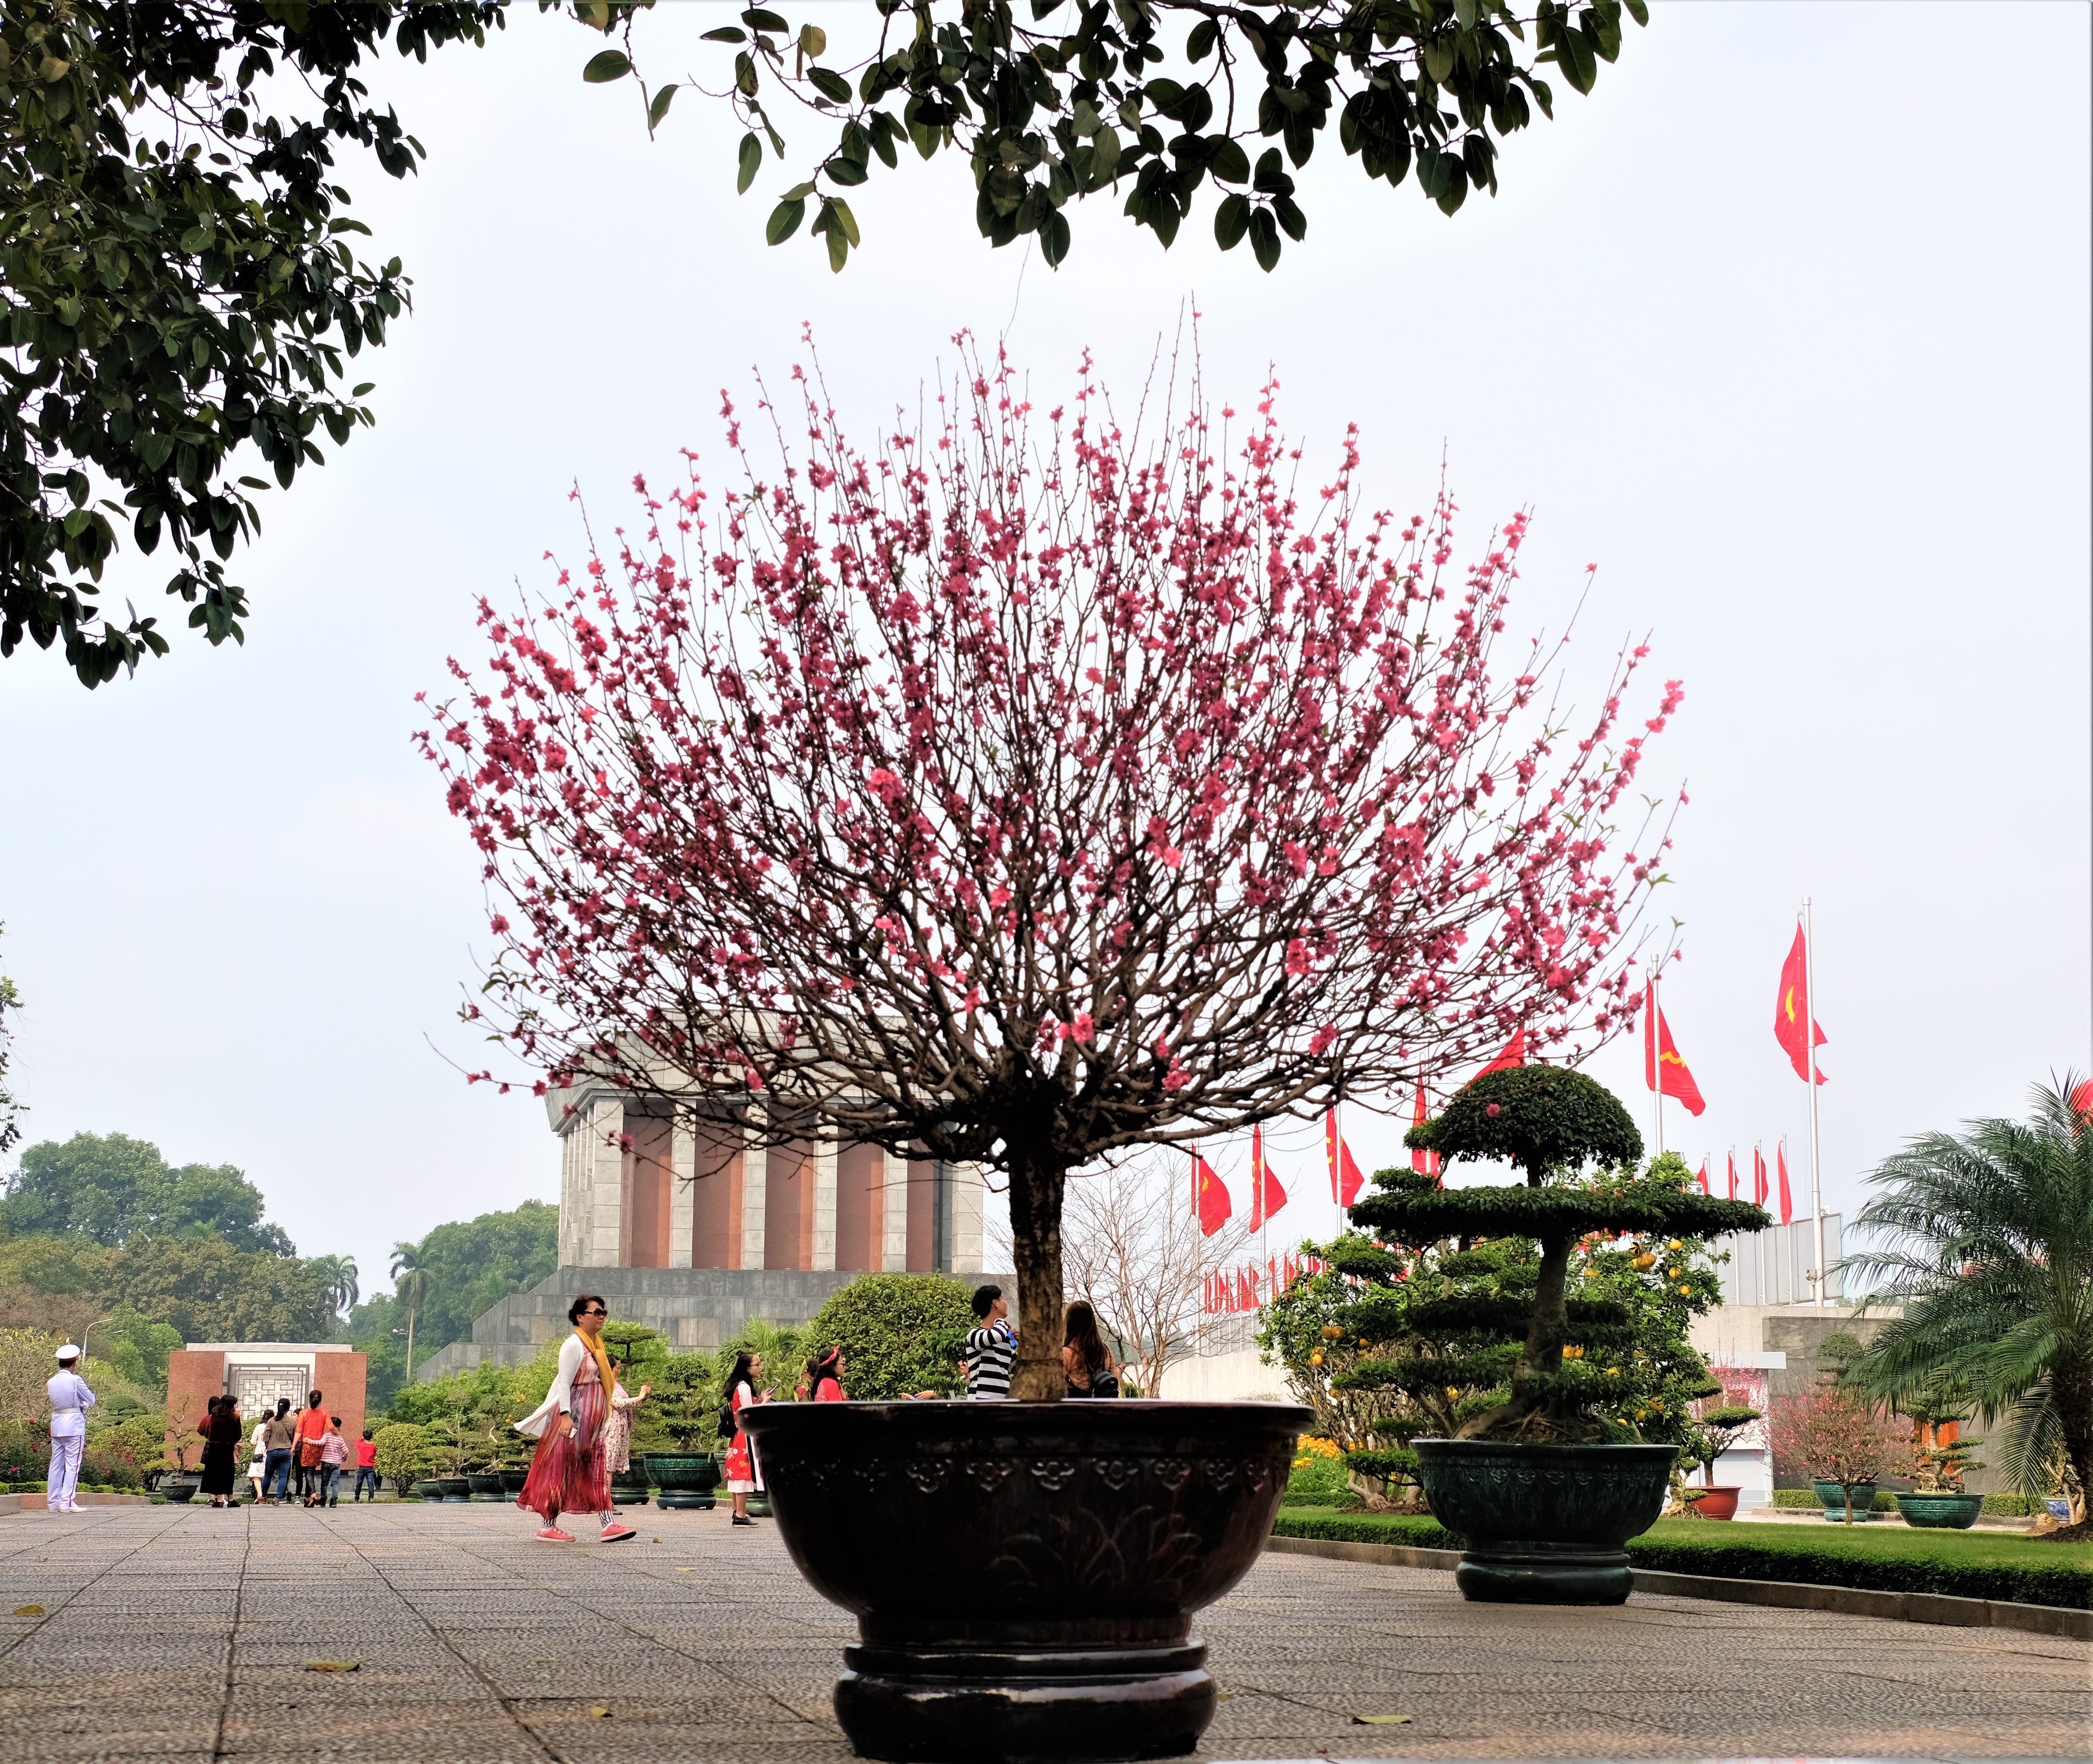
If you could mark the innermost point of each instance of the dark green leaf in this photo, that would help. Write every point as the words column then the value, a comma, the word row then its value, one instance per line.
column 784, row 221
column 751, row 158
column 1200, row 43
column 1231, row 221
column 605, row 66
column 847, row 172
column 838, row 249
column 726, row 33
column 830, row 86
column 1638, row 10
column 1580, row 66
column 660, row 107
column 1229, row 163
column 757, row 19
column 1053, row 238
column 1264, row 239
column 838, row 213
column 1291, row 219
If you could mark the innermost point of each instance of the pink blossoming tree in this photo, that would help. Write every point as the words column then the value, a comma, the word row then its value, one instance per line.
column 1020, row 791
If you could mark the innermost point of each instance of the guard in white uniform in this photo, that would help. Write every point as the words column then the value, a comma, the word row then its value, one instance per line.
column 70, row 1399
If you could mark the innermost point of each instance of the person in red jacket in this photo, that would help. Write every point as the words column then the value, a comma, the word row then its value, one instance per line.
column 366, row 1465
column 312, row 1430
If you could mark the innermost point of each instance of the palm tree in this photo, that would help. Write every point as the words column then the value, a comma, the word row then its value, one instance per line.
column 338, row 1279
column 411, row 1282
column 1991, row 1256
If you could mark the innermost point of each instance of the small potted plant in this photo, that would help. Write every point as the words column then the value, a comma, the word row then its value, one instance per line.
column 1715, row 1431
column 686, row 1410
column 180, row 1483
column 1943, row 1458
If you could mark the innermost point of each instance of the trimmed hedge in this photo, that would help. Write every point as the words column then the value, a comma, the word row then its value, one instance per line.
column 2022, row 1571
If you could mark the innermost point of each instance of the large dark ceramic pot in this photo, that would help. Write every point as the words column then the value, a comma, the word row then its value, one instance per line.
column 485, row 1485
column 1024, row 1575
column 1936, row 1512
column 685, row 1479
column 1833, row 1498
column 1544, row 1524
column 180, row 1484
column 512, row 1481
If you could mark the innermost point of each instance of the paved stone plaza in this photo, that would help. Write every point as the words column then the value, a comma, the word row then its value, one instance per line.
column 181, row 1635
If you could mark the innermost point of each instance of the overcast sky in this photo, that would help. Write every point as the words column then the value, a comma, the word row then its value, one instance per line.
column 1785, row 327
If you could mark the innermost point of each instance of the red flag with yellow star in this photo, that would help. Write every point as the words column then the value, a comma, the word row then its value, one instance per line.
column 1792, row 1021
column 1210, row 1196
column 1663, row 1070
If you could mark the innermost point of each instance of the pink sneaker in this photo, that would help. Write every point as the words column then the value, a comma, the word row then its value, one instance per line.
column 616, row 1534
column 554, row 1535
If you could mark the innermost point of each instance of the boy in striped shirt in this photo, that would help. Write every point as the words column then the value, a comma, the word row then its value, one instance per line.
column 991, row 1348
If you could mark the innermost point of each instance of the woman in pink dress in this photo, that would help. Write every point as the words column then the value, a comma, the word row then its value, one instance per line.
column 744, row 1474
column 568, row 1471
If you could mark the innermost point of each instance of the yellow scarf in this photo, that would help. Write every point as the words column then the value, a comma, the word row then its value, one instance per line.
column 595, row 1351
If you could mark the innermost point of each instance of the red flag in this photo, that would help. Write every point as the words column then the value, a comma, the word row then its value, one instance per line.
column 1780, row 1161
column 1246, row 1289
column 1703, row 1176
column 1210, row 1196
column 1790, row 1011
column 1425, row 1162
column 1346, row 1181
column 1733, row 1175
column 1514, row 1054
column 1758, row 1177
column 1663, row 1071
column 1267, row 1196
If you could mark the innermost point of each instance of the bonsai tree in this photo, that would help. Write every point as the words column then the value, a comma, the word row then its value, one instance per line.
column 1941, row 1456
column 1715, row 1431
column 1837, row 1436
column 1029, row 788
column 1548, row 1123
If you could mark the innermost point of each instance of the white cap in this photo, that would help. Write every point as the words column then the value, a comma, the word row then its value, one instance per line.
column 67, row 1352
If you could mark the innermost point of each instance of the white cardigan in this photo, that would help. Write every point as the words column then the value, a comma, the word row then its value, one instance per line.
column 571, row 1355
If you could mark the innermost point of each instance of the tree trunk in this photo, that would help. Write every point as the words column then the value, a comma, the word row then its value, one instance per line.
column 1036, row 1189
column 1544, row 1336
column 2071, row 1389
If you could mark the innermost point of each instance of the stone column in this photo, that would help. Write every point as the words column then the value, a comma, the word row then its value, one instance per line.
column 683, row 1193
column 605, row 1246
column 824, row 1162
column 573, row 1190
column 755, row 1200
column 967, row 1191
column 894, row 1227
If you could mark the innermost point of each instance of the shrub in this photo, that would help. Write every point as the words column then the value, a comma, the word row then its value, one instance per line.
column 402, row 1449
column 1320, row 1477
column 1835, row 1436
column 1884, row 1500
column 901, row 1334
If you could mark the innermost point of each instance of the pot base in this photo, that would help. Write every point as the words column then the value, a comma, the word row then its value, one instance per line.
column 702, row 1503
column 943, row 1706
column 1522, row 1577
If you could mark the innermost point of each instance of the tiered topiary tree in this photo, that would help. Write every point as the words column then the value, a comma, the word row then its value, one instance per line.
column 1483, row 1337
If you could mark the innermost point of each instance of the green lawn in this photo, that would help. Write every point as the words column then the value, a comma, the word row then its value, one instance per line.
column 1965, row 1564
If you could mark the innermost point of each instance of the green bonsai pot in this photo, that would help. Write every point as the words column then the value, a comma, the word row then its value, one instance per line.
column 1834, row 1498
column 486, row 1485
column 1544, row 1524
column 454, row 1488
column 1941, row 1512
column 688, row 1479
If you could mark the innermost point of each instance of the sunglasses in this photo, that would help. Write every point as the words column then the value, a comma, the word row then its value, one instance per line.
column 596, row 1313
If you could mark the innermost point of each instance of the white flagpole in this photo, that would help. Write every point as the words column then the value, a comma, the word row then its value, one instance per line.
column 1758, row 1242
column 1809, row 1042
column 1656, row 1043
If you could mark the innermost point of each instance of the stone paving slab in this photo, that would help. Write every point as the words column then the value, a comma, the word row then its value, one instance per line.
column 179, row 1635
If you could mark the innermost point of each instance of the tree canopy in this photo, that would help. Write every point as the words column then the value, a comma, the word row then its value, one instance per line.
column 115, row 1189
column 1985, row 1241
column 1137, row 103
column 178, row 280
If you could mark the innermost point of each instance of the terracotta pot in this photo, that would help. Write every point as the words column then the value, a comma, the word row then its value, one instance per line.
column 1544, row 1524
column 1024, row 1575
column 1718, row 1501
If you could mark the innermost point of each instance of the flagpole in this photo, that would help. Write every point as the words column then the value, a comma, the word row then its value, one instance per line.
column 1656, row 1043
column 1809, row 1042
column 1758, row 1243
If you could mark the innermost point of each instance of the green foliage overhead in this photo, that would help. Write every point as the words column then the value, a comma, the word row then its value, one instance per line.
column 1988, row 1247
column 1545, row 1119
column 180, row 283
column 901, row 1334
column 1610, row 1206
column 1054, row 100
column 115, row 1190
